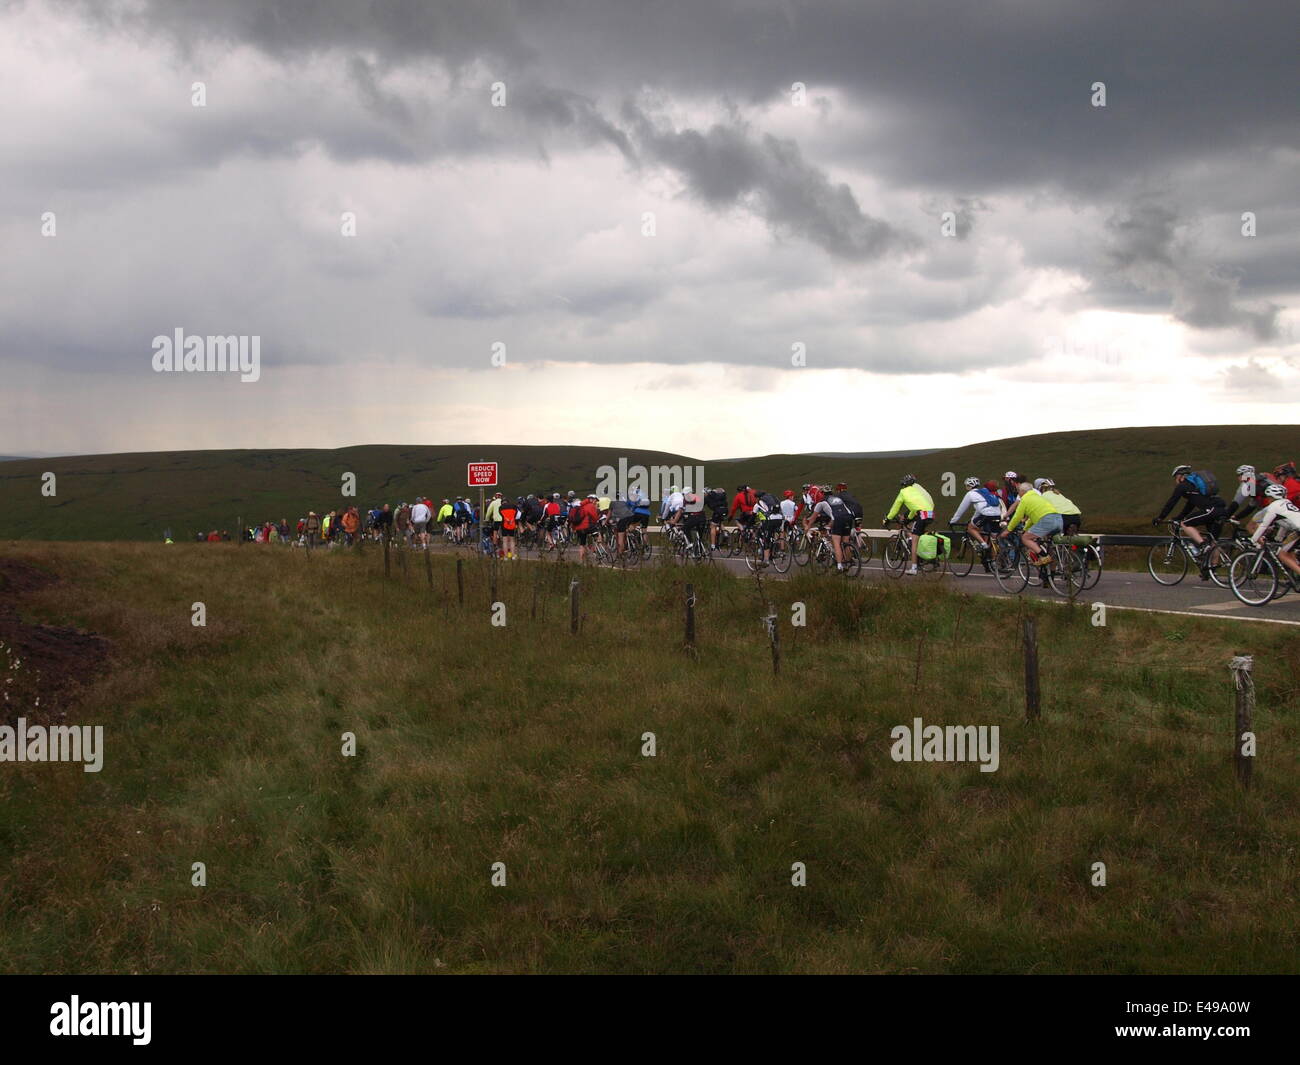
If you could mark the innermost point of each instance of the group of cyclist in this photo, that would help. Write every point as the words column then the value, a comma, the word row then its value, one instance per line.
column 1266, row 502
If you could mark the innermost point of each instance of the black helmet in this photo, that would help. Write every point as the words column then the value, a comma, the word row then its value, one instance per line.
column 907, row 479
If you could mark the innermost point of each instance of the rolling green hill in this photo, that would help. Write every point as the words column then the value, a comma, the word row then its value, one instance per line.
column 1119, row 477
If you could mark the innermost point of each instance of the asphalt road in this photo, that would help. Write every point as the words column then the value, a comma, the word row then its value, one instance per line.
column 1117, row 589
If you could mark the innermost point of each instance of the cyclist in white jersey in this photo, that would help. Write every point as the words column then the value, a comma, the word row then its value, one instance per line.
column 986, row 507
column 1286, row 515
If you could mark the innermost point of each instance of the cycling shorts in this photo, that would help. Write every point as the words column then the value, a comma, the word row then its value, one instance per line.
column 718, row 517
column 988, row 523
column 921, row 521
column 1209, row 517
column 842, row 527
column 1047, row 525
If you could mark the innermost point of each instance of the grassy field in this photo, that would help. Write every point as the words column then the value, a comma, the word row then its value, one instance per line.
column 1119, row 477
column 522, row 744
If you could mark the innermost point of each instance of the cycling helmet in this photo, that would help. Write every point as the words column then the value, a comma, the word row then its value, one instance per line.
column 531, row 496
column 687, row 490
column 788, row 494
column 841, row 487
column 971, row 482
column 555, row 495
column 1011, row 475
column 1181, row 470
column 571, row 494
column 1242, row 471
column 806, row 487
column 1039, row 482
column 1275, row 491
column 907, row 479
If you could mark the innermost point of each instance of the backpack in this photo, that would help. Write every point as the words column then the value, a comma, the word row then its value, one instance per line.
column 989, row 497
column 579, row 519
column 508, row 514
column 750, row 498
column 716, row 500
column 855, row 508
column 768, row 501
column 1206, row 483
column 839, row 509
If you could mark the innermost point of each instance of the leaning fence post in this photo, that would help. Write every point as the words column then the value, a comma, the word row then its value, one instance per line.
column 1242, row 667
column 774, row 634
column 1031, row 670
column 460, row 581
column 690, row 616
column 574, row 598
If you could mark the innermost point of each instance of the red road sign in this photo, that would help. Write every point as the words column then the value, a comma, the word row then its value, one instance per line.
column 482, row 474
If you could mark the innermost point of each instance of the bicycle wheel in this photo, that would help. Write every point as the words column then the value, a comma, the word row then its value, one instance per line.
column 803, row 550
column 863, row 543
column 1066, row 574
column 1253, row 578
column 1091, row 567
column 780, row 557
column 1010, row 576
column 1167, row 562
column 736, row 543
column 963, row 558
column 896, row 557
column 852, row 558
column 931, row 569
column 1220, row 561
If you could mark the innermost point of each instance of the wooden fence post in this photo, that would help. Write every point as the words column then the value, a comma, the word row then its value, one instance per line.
column 920, row 651
column 774, row 634
column 428, row 566
column 574, row 598
column 1242, row 666
column 239, row 522
column 460, row 581
column 492, row 579
column 405, row 572
column 690, row 616
column 387, row 567
column 1031, row 669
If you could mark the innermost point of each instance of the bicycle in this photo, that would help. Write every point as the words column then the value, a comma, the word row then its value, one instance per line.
column 898, row 555
column 1062, row 569
column 966, row 549
column 821, row 553
column 1169, row 560
column 760, row 543
column 690, row 548
column 1258, row 576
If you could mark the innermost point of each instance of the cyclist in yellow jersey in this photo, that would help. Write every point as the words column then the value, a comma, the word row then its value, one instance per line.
column 1039, row 516
column 917, row 507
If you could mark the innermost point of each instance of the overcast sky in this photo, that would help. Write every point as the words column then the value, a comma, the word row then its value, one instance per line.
column 653, row 225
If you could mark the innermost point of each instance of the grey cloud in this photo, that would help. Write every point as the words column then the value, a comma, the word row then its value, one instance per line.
column 1146, row 248
column 726, row 166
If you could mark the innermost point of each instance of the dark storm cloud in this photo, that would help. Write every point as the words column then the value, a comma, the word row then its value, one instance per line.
column 959, row 100
column 726, row 166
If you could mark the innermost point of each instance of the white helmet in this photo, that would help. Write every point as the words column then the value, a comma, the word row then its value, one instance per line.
column 972, row 482
column 1275, row 491
column 1242, row 471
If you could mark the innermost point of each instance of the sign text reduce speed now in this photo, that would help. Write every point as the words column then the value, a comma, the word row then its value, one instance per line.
column 482, row 474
